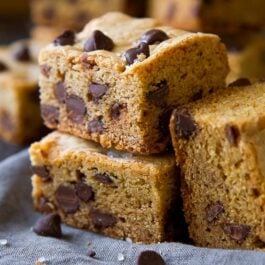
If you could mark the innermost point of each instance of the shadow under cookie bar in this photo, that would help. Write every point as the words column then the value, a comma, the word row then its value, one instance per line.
column 219, row 144
column 116, row 82
column 114, row 193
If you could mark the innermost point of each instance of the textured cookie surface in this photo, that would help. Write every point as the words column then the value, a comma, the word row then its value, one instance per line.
column 114, row 193
column 219, row 145
column 116, row 81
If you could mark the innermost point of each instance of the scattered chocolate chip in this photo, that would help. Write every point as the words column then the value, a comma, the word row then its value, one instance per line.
column 95, row 126
column 240, row 82
column 50, row 114
column 158, row 95
column 67, row 199
column 22, row 53
column 66, row 38
column 213, row 210
column 42, row 171
column 103, row 178
column 91, row 253
column 98, row 41
column 3, row 67
column 171, row 11
column 48, row 13
column 44, row 205
column 197, row 96
column 84, row 192
column 232, row 134
column 49, row 225
column 185, row 126
column 97, row 91
column 6, row 121
column 45, row 70
column 237, row 232
column 60, row 92
column 102, row 220
column 116, row 109
column 150, row 257
column 76, row 108
column 132, row 54
column 154, row 36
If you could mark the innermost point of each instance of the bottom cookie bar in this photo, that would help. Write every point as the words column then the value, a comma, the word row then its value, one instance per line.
column 117, row 194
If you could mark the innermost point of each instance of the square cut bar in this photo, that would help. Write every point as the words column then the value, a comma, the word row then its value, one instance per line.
column 121, row 97
column 74, row 14
column 20, row 119
column 220, row 144
column 216, row 16
column 114, row 193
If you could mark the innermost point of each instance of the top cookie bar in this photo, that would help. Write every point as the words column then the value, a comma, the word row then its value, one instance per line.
column 116, row 81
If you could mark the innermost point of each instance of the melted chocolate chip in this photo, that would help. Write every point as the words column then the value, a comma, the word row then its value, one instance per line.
column 42, row 171
column 158, row 95
column 154, row 36
column 84, row 192
column 185, row 126
column 237, row 232
column 76, row 108
column 60, row 92
column 22, row 53
column 49, row 225
column 98, row 41
column 232, row 134
column 131, row 55
column 116, row 109
column 67, row 199
column 97, row 91
column 66, row 38
column 102, row 220
column 150, row 257
column 3, row 67
column 45, row 70
column 213, row 211
column 50, row 114
column 95, row 126
column 103, row 178
column 240, row 82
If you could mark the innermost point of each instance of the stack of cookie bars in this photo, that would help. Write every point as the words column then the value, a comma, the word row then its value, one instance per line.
column 109, row 92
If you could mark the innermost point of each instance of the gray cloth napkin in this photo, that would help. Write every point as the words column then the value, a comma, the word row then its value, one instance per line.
column 8, row 149
column 24, row 247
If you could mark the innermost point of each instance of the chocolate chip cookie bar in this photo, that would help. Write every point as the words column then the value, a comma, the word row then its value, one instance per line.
column 74, row 14
column 20, row 119
column 116, row 82
column 219, row 144
column 217, row 16
column 114, row 193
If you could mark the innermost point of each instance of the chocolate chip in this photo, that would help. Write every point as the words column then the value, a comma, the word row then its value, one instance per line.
column 66, row 38
column 213, row 211
column 98, row 41
column 102, row 220
column 197, row 96
column 42, row 171
column 50, row 114
column 3, row 67
column 76, row 108
column 185, row 126
column 150, row 257
column 116, row 109
column 91, row 253
column 60, row 92
column 80, row 176
column 103, row 178
column 45, row 70
column 132, row 54
column 49, row 225
column 171, row 11
column 158, row 96
column 237, row 232
column 232, row 134
column 44, row 205
column 97, row 91
column 84, row 192
column 6, row 121
column 67, row 199
column 95, row 126
column 48, row 13
column 240, row 82
column 22, row 53
column 154, row 36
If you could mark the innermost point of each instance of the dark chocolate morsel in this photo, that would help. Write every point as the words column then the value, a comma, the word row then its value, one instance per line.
column 154, row 36
column 50, row 114
column 97, row 91
column 60, row 92
column 95, row 126
column 66, row 38
column 232, row 134
column 132, row 54
column 237, row 232
column 213, row 211
column 84, row 192
column 102, row 220
column 76, row 108
column 42, row 171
